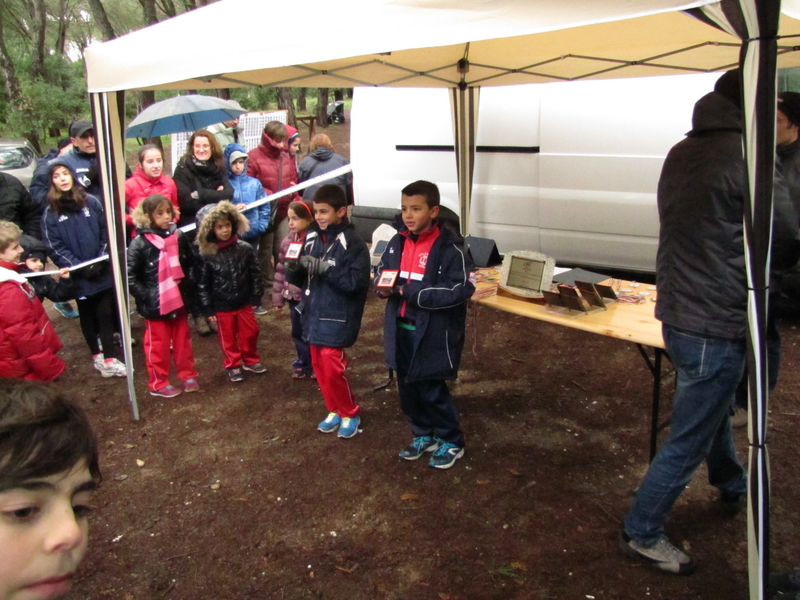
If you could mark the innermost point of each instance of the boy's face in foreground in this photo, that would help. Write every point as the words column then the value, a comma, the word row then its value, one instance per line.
column 12, row 252
column 34, row 263
column 43, row 534
column 326, row 215
column 222, row 229
column 417, row 215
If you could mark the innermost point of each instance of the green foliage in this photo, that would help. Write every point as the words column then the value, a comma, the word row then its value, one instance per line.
column 51, row 103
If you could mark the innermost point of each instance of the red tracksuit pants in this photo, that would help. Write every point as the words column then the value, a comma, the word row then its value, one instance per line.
column 329, row 366
column 238, row 337
column 163, row 339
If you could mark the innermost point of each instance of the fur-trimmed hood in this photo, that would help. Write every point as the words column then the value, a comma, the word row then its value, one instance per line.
column 206, row 240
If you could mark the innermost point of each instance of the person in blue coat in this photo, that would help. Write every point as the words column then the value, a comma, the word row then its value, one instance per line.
column 74, row 231
column 425, row 321
column 246, row 191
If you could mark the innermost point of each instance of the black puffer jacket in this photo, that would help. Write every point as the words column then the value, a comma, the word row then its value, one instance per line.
column 700, row 266
column 228, row 278
column 334, row 304
column 17, row 206
column 203, row 178
column 143, row 268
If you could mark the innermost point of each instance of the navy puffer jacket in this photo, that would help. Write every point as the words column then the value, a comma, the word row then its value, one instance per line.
column 333, row 307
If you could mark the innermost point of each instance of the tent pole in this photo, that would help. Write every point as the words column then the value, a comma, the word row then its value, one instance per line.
column 758, row 64
column 464, row 108
column 108, row 114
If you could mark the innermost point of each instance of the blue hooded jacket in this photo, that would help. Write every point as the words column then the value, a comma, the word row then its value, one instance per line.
column 247, row 190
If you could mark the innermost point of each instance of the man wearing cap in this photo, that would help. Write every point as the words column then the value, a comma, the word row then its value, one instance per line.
column 82, row 159
column 80, row 155
column 702, row 305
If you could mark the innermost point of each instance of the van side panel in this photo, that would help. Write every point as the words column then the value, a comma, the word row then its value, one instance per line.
column 581, row 183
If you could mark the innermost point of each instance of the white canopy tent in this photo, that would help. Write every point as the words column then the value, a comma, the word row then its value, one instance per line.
column 463, row 46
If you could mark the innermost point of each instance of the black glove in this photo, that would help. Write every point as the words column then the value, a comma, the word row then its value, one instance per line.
column 314, row 265
column 291, row 265
column 94, row 271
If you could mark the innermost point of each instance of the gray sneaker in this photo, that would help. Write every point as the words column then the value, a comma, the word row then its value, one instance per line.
column 662, row 555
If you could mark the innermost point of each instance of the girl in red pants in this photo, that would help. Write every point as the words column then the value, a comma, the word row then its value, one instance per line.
column 159, row 262
column 229, row 285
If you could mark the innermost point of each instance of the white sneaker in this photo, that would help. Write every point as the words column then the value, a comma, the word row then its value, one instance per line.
column 111, row 368
column 662, row 555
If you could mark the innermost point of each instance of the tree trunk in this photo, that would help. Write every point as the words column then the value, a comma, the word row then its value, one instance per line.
column 286, row 103
column 322, row 107
column 101, row 19
column 149, row 10
column 39, row 30
column 168, row 6
column 61, row 31
column 338, row 94
column 301, row 100
column 148, row 98
column 10, row 79
column 224, row 93
column 11, row 83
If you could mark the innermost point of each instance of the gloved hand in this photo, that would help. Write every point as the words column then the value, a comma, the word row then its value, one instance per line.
column 291, row 265
column 314, row 265
column 94, row 271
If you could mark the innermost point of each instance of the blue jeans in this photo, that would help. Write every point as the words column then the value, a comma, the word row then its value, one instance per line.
column 708, row 370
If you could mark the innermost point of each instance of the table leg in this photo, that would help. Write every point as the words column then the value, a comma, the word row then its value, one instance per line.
column 654, row 365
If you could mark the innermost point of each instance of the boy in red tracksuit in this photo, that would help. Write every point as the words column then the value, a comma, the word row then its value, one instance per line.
column 337, row 263
column 425, row 321
column 159, row 262
column 229, row 284
column 28, row 342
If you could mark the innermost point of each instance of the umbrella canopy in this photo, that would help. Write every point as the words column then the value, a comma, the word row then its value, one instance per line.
column 182, row 113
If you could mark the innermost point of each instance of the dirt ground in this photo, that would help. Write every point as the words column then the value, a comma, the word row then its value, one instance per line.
column 231, row 493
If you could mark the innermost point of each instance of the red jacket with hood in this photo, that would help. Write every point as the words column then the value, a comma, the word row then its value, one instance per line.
column 139, row 186
column 276, row 171
column 28, row 342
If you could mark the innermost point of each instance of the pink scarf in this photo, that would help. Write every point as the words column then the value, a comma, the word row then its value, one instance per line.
column 169, row 272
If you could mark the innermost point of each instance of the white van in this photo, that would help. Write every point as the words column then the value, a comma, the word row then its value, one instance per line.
column 568, row 169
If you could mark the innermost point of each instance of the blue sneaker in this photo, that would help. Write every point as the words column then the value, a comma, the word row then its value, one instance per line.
column 66, row 310
column 446, row 455
column 330, row 424
column 349, row 427
column 418, row 447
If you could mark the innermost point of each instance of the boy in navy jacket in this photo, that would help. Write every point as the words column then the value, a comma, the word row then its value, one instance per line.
column 425, row 321
column 336, row 260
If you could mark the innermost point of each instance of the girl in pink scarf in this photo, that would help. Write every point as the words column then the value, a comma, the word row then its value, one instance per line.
column 159, row 260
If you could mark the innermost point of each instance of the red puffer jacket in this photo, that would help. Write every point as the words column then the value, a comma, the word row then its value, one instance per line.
column 276, row 171
column 140, row 186
column 28, row 342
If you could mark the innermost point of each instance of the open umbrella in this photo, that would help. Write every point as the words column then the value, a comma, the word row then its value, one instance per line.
column 182, row 113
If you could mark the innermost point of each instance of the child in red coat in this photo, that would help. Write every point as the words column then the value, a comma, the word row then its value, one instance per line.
column 28, row 342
